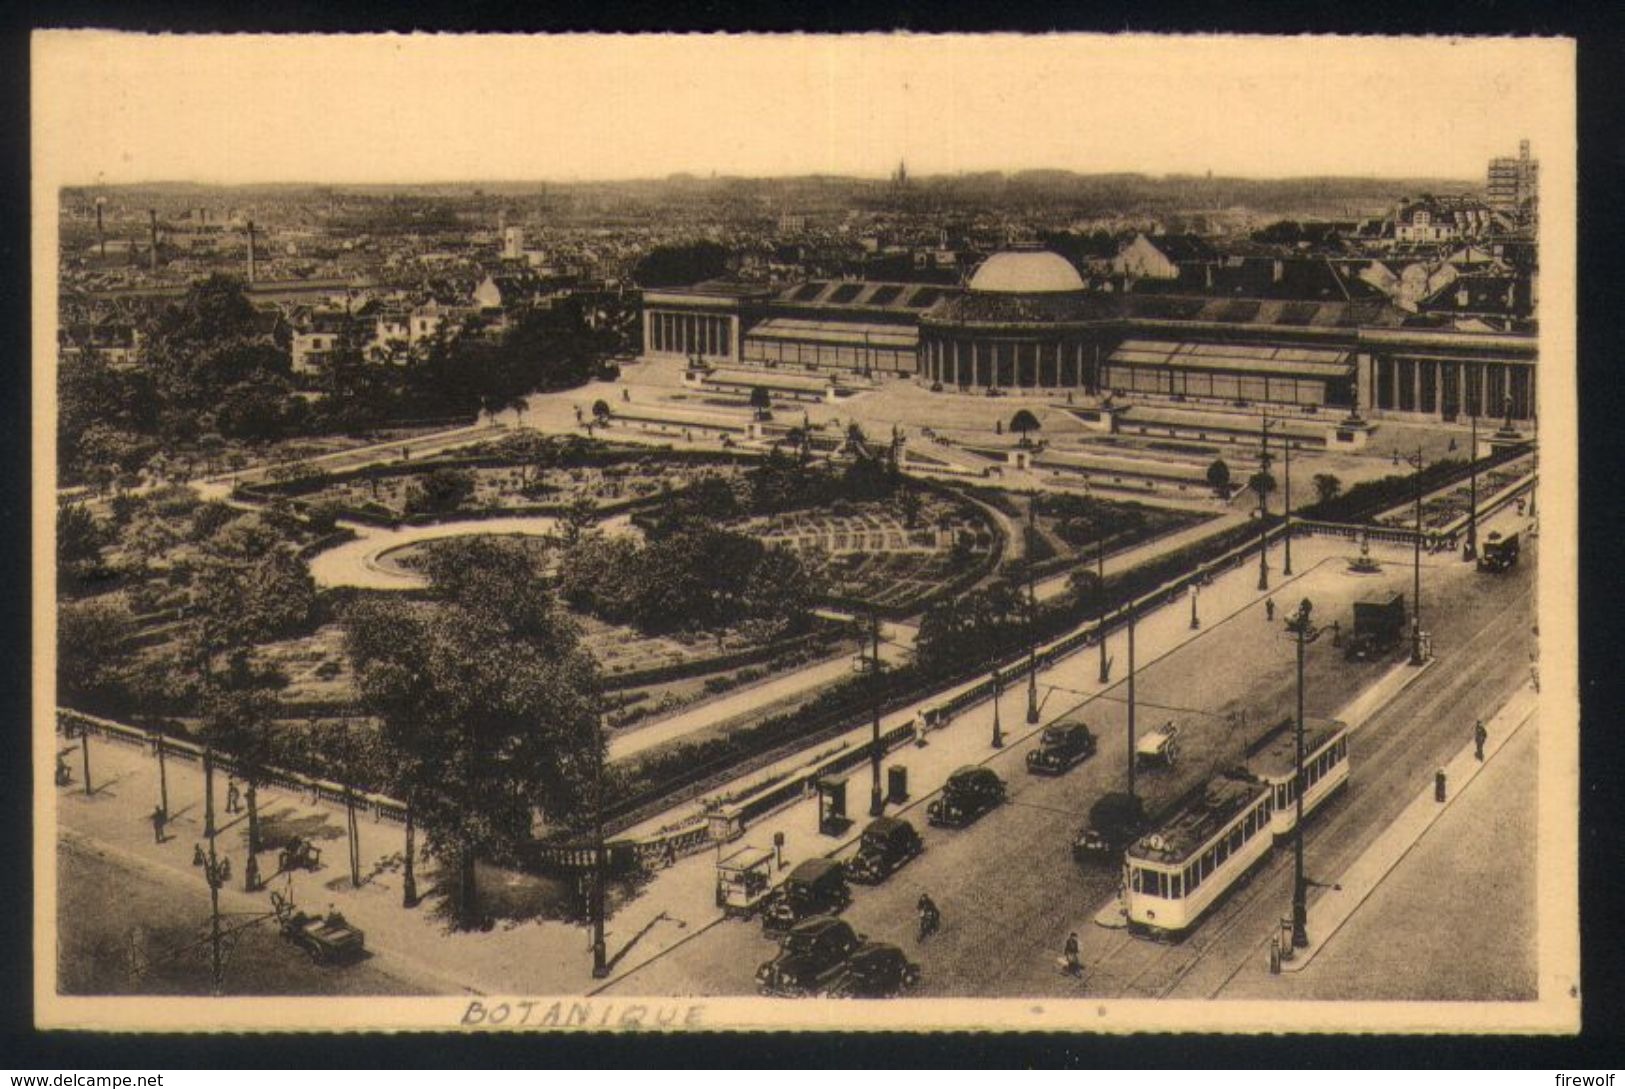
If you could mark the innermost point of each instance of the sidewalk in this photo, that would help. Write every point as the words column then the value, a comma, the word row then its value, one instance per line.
column 1483, row 838
column 1335, row 905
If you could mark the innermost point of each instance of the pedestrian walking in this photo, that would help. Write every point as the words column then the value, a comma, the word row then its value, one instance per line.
column 1337, row 633
column 1480, row 735
column 1071, row 962
column 930, row 917
column 1269, row 608
column 157, row 824
column 197, row 855
column 626, row 395
column 234, row 798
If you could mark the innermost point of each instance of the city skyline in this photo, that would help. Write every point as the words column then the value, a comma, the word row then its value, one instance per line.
column 436, row 111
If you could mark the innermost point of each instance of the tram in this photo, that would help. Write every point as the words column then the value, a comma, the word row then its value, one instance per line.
column 1274, row 760
column 1175, row 873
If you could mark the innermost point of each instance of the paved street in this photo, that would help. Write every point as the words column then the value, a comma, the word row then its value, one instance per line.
column 1008, row 888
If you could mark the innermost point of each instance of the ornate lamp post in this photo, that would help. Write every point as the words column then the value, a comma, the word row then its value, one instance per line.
column 998, row 690
column 1263, row 503
column 1286, row 503
column 1470, row 551
column 1032, row 619
column 1100, row 588
column 1305, row 632
column 1416, row 567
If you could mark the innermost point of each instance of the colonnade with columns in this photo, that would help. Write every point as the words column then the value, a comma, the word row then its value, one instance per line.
column 689, row 332
column 1009, row 362
column 1451, row 389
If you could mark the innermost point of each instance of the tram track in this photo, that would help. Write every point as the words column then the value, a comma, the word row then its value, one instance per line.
column 1395, row 747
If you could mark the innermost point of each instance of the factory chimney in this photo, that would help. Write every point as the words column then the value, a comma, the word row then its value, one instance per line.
column 101, row 237
column 152, row 222
column 251, row 253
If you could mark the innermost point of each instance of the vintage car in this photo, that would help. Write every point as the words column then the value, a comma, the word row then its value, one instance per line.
column 886, row 845
column 1061, row 745
column 1158, row 746
column 1115, row 821
column 876, row 970
column 815, row 887
column 326, row 939
column 811, row 954
column 969, row 792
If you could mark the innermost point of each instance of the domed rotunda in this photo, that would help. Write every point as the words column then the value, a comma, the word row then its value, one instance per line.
column 1026, row 321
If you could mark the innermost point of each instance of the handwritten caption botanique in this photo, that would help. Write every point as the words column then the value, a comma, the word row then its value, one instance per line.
column 542, row 1014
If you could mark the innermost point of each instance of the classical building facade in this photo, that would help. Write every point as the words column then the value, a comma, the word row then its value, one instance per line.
column 1026, row 321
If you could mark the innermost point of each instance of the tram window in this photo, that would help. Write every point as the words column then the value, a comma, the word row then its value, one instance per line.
column 1222, row 852
column 1280, row 796
column 1236, row 838
column 1177, row 890
column 1134, row 879
column 1251, row 823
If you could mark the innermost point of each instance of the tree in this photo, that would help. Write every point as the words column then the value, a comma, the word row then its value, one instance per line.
column 242, row 604
column 1218, row 478
column 762, row 401
column 440, row 492
column 1261, row 482
column 601, row 411
column 1023, row 423
column 490, row 709
column 80, row 539
column 1327, row 487
column 239, row 716
column 90, row 637
column 909, row 500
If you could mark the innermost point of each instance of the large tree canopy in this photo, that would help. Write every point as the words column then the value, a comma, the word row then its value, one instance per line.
column 489, row 706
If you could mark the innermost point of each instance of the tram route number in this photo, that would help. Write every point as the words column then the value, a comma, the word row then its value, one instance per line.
column 537, row 1014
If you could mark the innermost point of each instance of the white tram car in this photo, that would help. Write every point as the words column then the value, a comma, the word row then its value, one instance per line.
column 1177, row 872
column 1325, row 768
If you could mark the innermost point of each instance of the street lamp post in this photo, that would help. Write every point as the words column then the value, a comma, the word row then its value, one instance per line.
column 600, row 964
column 163, row 774
column 1300, row 626
column 1416, row 568
column 1286, row 503
column 1131, row 699
column 1471, row 551
column 212, row 871
column 1100, row 621
column 1032, row 618
column 1263, row 503
column 998, row 691
column 877, row 801
column 1195, row 622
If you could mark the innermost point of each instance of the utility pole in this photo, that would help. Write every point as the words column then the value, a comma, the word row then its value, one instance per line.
column 1300, row 627
column 409, row 883
column 349, row 813
column 1263, row 503
column 1131, row 699
column 877, row 801
column 1471, row 551
column 998, row 691
column 163, row 774
column 1416, row 568
column 1100, row 621
column 1032, row 616
column 84, row 751
column 212, row 871
column 600, row 965
column 1286, row 504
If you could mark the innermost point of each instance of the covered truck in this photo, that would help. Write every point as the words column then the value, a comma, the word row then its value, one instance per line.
column 1379, row 625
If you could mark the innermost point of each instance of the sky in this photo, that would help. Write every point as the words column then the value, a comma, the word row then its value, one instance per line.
column 115, row 108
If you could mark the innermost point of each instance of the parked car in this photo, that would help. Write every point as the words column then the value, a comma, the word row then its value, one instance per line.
column 1061, row 745
column 876, row 970
column 1115, row 821
column 811, row 954
column 815, row 887
column 887, row 844
column 969, row 792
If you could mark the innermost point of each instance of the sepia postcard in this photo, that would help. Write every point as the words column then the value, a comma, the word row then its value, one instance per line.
column 687, row 533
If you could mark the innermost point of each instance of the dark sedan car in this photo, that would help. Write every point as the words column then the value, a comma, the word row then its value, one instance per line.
column 1062, row 745
column 886, row 845
column 876, row 970
column 969, row 792
column 816, row 886
column 810, row 956
column 1115, row 821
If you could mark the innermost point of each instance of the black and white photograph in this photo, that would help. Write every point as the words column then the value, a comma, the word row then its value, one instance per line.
column 1052, row 532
